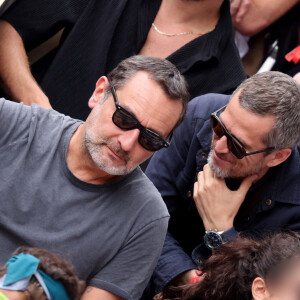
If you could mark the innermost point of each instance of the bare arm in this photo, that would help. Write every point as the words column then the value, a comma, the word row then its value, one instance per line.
column 15, row 76
column 93, row 293
column 258, row 14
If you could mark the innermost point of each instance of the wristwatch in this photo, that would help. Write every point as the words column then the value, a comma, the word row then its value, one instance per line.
column 213, row 239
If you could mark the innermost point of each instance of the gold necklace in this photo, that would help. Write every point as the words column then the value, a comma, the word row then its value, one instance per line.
column 180, row 33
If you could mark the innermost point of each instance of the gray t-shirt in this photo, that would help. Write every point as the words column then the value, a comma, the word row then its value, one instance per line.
column 113, row 233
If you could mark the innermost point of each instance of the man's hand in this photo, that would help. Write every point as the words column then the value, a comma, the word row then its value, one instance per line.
column 238, row 9
column 216, row 204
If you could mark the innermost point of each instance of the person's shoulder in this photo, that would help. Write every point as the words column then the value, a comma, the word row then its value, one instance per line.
column 49, row 125
column 16, row 113
column 146, row 195
column 51, row 115
column 202, row 106
column 11, row 104
column 143, row 185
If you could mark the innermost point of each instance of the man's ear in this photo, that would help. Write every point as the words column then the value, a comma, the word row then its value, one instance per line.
column 99, row 91
column 259, row 289
column 278, row 156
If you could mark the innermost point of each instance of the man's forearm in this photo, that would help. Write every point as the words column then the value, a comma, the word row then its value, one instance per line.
column 16, row 78
column 93, row 293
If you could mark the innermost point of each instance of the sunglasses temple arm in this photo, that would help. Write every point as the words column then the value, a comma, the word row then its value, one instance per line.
column 259, row 151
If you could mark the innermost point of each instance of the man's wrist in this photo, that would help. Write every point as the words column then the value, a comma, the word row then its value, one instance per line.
column 213, row 239
column 220, row 226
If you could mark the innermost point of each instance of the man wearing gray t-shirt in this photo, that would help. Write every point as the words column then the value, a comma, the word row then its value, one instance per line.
column 75, row 188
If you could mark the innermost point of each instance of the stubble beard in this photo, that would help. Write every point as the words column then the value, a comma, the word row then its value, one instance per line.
column 94, row 147
column 217, row 171
column 229, row 173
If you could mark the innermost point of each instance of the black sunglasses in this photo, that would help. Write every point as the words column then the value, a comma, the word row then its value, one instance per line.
column 148, row 139
column 234, row 145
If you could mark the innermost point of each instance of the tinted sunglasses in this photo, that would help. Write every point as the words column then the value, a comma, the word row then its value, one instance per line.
column 148, row 139
column 234, row 145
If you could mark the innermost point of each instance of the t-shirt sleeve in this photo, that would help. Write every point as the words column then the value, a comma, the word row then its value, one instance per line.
column 128, row 273
column 38, row 20
column 14, row 121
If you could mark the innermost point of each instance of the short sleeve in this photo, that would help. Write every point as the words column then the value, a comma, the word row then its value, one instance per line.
column 15, row 120
column 128, row 273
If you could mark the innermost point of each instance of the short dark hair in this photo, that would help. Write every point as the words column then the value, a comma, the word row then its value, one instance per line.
column 161, row 71
column 275, row 94
column 55, row 267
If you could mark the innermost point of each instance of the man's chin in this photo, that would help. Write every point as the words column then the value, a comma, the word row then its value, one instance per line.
column 115, row 171
column 219, row 172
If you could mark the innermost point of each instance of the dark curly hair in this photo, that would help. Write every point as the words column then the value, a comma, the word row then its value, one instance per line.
column 55, row 267
column 229, row 273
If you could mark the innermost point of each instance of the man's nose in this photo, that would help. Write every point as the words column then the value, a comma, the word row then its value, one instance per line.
column 129, row 139
column 221, row 145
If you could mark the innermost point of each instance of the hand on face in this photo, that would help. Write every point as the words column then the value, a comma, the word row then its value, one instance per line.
column 216, row 204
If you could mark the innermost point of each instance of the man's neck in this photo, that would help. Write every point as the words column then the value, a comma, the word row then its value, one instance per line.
column 189, row 15
column 80, row 163
column 234, row 183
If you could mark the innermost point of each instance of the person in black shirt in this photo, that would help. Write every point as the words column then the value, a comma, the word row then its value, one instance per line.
column 98, row 34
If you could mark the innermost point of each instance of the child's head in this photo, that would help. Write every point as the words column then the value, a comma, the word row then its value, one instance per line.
column 277, row 268
column 36, row 274
column 248, row 269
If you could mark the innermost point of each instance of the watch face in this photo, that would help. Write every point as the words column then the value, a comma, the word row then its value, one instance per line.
column 213, row 240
